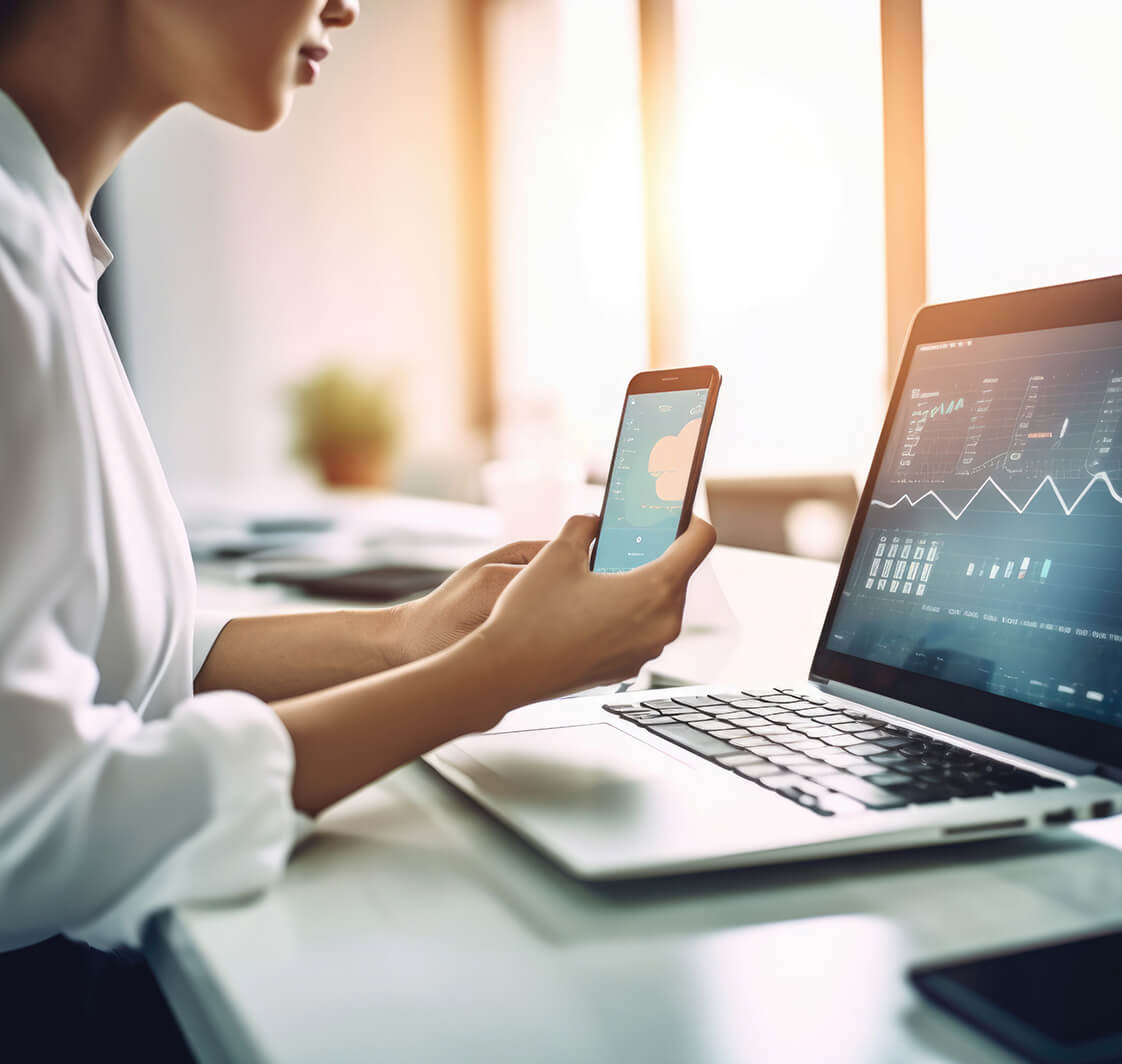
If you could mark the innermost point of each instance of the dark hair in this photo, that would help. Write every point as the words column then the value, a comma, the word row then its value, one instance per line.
column 12, row 13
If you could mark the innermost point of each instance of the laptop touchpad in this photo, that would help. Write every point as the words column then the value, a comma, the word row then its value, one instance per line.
column 564, row 763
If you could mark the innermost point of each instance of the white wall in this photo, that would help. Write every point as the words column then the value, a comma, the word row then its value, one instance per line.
column 245, row 258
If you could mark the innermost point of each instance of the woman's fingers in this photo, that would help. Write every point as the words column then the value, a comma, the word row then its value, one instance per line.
column 520, row 553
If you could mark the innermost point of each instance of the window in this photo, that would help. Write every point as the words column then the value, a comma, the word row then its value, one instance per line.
column 567, row 231
column 1023, row 102
column 782, row 227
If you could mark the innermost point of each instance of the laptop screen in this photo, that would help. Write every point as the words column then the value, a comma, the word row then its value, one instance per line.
column 990, row 554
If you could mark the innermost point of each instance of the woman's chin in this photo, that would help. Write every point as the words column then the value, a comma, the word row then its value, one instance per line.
column 257, row 115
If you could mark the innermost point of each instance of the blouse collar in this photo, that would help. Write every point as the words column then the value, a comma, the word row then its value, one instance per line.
column 27, row 161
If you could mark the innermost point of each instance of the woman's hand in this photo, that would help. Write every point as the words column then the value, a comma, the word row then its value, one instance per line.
column 560, row 627
column 554, row 626
column 460, row 605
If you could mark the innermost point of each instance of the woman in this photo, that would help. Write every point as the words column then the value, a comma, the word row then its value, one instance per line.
column 149, row 757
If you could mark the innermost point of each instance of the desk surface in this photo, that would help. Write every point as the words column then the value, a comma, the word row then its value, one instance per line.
column 412, row 926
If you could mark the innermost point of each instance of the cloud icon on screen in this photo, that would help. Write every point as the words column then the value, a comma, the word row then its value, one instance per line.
column 670, row 460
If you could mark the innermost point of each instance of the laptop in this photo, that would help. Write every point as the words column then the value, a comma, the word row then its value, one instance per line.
column 967, row 683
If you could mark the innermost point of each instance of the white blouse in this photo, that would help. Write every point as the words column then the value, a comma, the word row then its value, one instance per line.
column 121, row 793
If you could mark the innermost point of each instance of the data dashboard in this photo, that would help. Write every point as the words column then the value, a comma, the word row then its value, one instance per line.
column 991, row 552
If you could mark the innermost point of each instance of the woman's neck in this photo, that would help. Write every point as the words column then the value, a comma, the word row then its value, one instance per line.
column 71, row 71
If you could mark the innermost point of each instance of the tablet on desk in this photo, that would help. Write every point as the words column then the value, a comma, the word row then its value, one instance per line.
column 381, row 583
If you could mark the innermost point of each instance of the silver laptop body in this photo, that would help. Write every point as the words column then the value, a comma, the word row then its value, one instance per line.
column 968, row 679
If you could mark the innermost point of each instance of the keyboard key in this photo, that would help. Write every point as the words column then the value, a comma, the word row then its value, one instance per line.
column 784, row 781
column 743, row 758
column 808, row 744
column 789, row 758
column 758, row 772
column 811, row 787
column 910, row 765
column 873, row 735
column 751, row 742
column 786, row 718
column 736, row 714
column 731, row 733
column 816, row 768
column 764, row 751
column 634, row 714
column 730, row 696
column 822, row 731
column 833, row 718
column 837, row 805
column 771, row 692
column 842, row 740
column 887, row 779
column 867, row 769
column 867, row 794
column 976, row 788
column 656, row 719
column 708, row 724
column 618, row 707
column 892, row 742
column 916, row 793
column 689, row 737
column 783, row 737
column 841, row 759
column 771, row 729
column 865, row 748
column 814, row 711
column 697, row 700
column 851, row 727
column 662, row 704
column 889, row 757
column 688, row 717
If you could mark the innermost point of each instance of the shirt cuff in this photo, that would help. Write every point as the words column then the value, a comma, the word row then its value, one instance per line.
column 244, row 844
column 208, row 627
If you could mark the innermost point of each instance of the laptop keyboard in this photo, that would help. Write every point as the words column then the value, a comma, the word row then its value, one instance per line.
column 830, row 759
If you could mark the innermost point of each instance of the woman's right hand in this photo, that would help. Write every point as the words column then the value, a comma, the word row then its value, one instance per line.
column 560, row 627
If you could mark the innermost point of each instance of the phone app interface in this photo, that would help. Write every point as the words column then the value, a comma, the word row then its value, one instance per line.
column 647, row 484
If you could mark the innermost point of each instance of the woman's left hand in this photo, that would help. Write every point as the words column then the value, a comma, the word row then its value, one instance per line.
column 460, row 605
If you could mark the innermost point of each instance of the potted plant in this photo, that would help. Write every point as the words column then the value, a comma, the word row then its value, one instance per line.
column 346, row 424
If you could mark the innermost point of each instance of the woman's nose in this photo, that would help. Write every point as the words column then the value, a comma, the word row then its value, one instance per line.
column 339, row 14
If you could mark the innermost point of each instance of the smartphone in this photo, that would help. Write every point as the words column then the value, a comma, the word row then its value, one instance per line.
column 656, row 465
column 1053, row 1004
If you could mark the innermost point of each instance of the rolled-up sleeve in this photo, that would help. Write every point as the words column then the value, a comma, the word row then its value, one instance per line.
column 208, row 627
column 105, row 819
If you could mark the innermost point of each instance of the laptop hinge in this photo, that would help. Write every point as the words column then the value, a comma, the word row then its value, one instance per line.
column 1110, row 772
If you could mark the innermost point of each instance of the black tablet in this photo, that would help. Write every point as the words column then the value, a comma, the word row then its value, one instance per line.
column 1054, row 1004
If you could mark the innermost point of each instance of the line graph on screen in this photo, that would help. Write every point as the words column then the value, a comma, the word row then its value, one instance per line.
column 1067, row 507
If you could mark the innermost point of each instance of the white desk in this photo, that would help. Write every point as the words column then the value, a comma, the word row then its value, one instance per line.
column 413, row 927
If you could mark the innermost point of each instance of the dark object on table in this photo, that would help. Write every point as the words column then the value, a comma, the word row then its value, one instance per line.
column 382, row 583
column 1053, row 1004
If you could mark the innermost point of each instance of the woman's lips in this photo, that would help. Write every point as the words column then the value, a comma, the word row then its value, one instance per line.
column 311, row 56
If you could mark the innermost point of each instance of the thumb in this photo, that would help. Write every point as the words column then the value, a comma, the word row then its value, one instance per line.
column 689, row 550
column 580, row 530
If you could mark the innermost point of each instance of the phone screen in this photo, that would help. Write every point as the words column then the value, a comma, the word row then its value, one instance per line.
column 1055, row 1003
column 650, row 473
